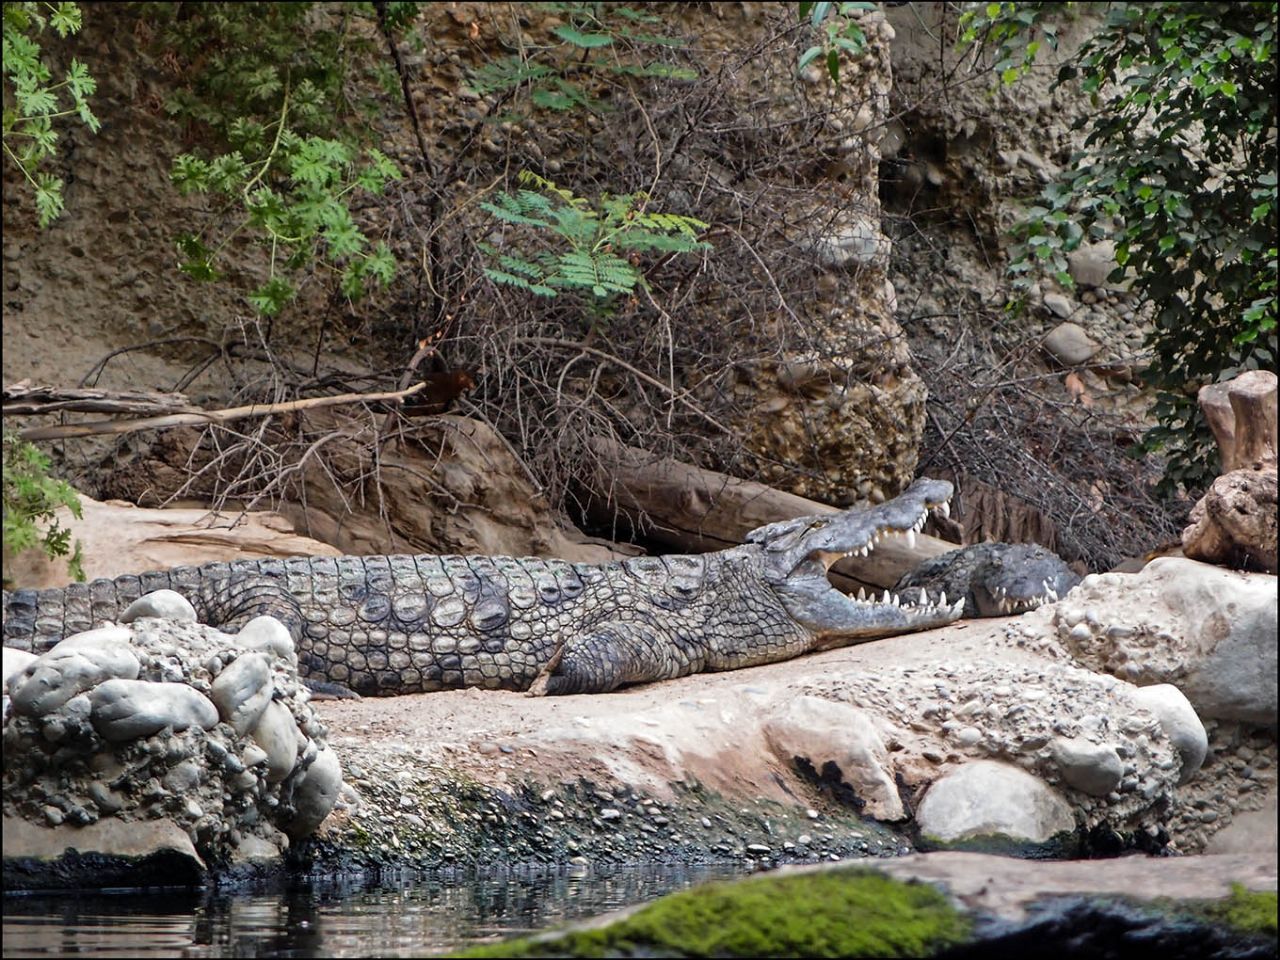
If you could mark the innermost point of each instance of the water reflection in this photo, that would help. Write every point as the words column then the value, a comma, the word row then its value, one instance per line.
column 410, row 916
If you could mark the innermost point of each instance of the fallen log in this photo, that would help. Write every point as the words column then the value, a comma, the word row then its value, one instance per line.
column 24, row 397
column 696, row 510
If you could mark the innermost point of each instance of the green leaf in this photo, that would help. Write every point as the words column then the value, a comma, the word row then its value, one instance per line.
column 580, row 39
column 271, row 298
column 808, row 57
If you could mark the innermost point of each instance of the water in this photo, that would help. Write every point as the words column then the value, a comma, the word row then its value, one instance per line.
column 430, row 913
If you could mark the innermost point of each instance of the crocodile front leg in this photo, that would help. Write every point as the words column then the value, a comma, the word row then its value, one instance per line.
column 611, row 654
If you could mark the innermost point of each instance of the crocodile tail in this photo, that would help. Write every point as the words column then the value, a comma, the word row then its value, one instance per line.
column 35, row 620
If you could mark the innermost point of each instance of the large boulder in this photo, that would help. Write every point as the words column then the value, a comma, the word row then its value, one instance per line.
column 171, row 740
column 987, row 798
column 1234, row 524
column 1210, row 631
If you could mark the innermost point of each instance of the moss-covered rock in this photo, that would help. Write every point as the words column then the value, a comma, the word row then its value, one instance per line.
column 838, row 913
column 1246, row 911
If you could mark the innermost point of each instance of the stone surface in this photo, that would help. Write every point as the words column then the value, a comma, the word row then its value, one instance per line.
column 1092, row 768
column 166, row 604
column 129, row 709
column 1091, row 263
column 1209, row 630
column 1069, row 344
column 277, row 734
column 131, row 757
column 1180, row 724
column 242, row 691
column 985, row 798
column 269, row 634
column 316, row 793
column 1059, row 305
column 14, row 662
column 1250, row 832
column 822, row 732
column 1234, row 524
column 65, row 671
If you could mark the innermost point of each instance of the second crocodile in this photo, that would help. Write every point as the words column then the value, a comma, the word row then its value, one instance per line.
column 993, row 579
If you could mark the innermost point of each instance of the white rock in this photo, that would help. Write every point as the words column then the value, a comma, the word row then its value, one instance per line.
column 1210, row 630
column 277, row 733
column 67, row 670
column 183, row 777
column 1058, row 305
column 1180, row 724
column 1069, row 344
column 165, row 604
column 857, row 243
column 1092, row 768
column 242, row 691
column 270, row 635
column 128, row 709
column 98, row 637
column 987, row 797
column 1091, row 263
column 14, row 662
column 825, row 730
column 316, row 793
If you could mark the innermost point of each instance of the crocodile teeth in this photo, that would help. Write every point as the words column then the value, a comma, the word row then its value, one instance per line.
column 942, row 599
column 945, row 509
column 911, row 538
column 885, row 598
column 1053, row 595
column 862, row 594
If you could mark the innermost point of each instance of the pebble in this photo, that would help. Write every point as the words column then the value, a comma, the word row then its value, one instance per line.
column 1089, row 767
column 315, row 794
column 242, row 691
column 164, row 604
column 69, row 669
column 130, row 709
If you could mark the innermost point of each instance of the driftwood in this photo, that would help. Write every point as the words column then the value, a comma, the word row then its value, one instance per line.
column 26, row 398
column 697, row 510
column 98, row 427
column 1242, row 415
column 1234, row 524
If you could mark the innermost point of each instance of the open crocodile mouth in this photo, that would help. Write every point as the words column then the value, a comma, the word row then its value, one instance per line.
column 999, row 600
column 829, row 558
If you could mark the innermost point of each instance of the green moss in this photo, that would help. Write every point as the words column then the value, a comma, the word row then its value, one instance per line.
column 838, row 913
column 1247, row 911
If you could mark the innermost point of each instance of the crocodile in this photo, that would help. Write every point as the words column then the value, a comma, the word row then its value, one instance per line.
column 993, row 579
column 387, row 625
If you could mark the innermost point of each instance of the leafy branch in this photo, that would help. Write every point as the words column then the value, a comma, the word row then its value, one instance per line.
column 30, row 496
column 839, row 34
column 32, row 103
column 591, row 248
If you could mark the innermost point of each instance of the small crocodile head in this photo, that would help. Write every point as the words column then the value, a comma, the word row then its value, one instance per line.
column 1019, row 577
column 798, row 553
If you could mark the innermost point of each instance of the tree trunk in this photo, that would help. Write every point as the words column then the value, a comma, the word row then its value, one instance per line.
column 696, row 510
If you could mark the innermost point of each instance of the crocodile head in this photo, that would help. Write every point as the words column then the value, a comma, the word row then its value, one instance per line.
column 1019, row 577
column 798, row 554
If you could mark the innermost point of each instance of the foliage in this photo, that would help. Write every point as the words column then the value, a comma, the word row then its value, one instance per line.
column 294, row 163
column 842, row 913
column 32, row 103
column 584, row 246
column 1179, row 169
column 597, row 39
column 32, row 496
column 838, row 33
column 1249, row 911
